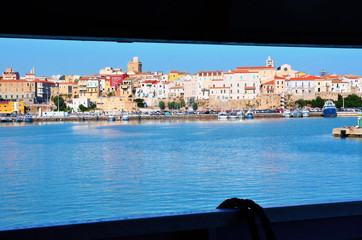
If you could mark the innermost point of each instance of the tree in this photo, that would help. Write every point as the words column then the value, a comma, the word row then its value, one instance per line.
column 194, row 106
column 82, row 108
column 183, row 103
column 139, row 102
column 301, row 102
column 162, row 105
column 59, row 101
column 171, row 105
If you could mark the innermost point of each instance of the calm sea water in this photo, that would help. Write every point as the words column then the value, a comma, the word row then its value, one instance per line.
column 78, row 171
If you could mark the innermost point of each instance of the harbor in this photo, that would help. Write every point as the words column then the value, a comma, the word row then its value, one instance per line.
column 137, row 117
column 350, row 132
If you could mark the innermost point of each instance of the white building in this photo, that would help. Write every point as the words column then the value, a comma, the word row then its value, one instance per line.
column 76, row 102
column 176, row 92
column 237, row 84
column 204, row 81
column 301, row 85
column 339, row 86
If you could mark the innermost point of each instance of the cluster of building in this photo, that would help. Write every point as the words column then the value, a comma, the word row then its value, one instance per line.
column 113, row 89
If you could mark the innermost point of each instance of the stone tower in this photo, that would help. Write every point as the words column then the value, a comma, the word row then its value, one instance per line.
column 269, row 62
column 135, row 65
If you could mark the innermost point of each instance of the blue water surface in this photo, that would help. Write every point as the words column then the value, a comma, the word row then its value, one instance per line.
column 59, row 172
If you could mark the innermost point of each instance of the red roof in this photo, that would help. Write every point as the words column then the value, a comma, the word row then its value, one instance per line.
column 249, row 88
column 150, row 81
column 240, row 71
column 240, row 68
column 307, row 78
column 270, row 82
column 173, row 71
column 17, row 80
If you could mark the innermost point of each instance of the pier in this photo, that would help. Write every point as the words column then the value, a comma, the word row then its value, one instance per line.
column 350, row 132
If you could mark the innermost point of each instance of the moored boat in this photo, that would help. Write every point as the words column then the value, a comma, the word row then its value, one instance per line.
column 249, row 114
column 222, row 116
column 18, row 119
column 111, row 118
column 297, row 113
column 287, row 113
column 241, row 114
column 232, row 115
column 305, row 112
column 28, row 118
column 125, row 117
column 329, row 109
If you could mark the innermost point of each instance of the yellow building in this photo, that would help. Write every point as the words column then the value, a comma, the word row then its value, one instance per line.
column 10, row 107
column 116, row 104
column 175, row 75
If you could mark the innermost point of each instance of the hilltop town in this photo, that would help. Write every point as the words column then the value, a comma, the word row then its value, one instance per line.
column 115, row 90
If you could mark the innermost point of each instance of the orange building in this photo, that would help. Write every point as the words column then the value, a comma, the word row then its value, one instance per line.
column 10, row 107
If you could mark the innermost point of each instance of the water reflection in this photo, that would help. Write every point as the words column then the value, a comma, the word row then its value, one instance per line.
column 67, row 171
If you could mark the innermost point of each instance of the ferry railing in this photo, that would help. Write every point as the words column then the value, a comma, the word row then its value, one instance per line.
column 316, row 221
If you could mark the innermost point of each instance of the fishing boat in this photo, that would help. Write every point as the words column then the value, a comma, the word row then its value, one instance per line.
column 241, row 114
column 305, row 112
column 249, row 114
column 222, row 116
column 28, row 118
column 232, row 115
column 329, row 109
column 125, row 117
column 18, row 119
column 111, row 118
column 297, row 113
column 287, row 113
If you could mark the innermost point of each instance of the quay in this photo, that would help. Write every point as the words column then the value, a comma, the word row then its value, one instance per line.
column 351, row 132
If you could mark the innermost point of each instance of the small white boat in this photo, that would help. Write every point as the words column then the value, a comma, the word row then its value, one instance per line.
column 111, row 118
column 287, row 113
column 28, row 118
column 241, row 114
column 232, row 115
column 125, row 117
column 18, row 119
column 297, row 113
column 222, row 116
column 305, row 112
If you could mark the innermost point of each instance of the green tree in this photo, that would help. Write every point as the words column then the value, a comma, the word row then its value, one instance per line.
column 82, row 108
column 59, row 101
column 301, row 102
column 139, row 102
column 162, row 105
column 111, row 94
column 171, row 105
column 183, row 103
column 194, row 106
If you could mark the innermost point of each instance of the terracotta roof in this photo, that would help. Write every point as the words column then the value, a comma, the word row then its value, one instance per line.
column 173, row 71
column 65, row 83
column 307, row 78
column 270, row 82
column 150, row 81
column 17, row 80
column 240, row 68
column 247, row 88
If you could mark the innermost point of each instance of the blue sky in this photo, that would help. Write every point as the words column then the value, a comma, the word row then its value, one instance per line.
column 50, row 57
